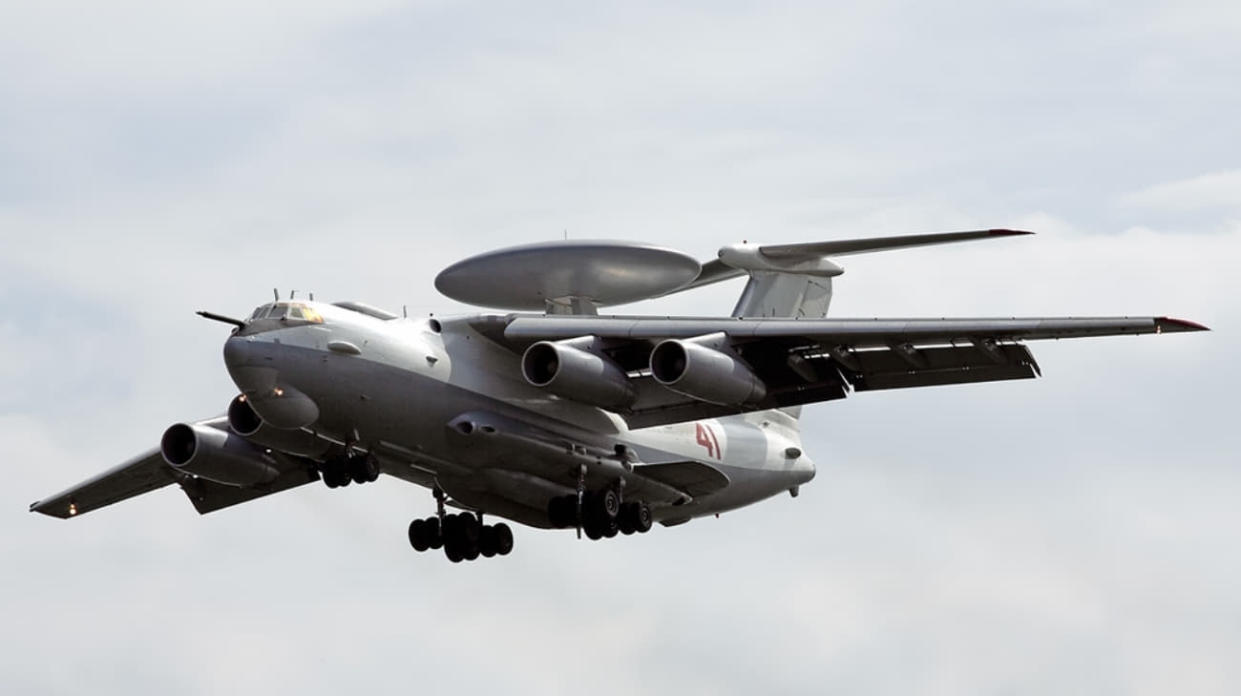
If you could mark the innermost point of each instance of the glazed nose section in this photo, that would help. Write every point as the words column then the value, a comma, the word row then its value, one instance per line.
column 249, row 365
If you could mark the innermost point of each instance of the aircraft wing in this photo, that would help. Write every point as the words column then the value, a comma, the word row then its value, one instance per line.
column 148, row 471
column 809, row 360
column 145, row 472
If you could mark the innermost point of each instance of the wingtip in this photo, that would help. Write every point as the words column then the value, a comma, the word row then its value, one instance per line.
column 1008, row 233
column 1170, row 324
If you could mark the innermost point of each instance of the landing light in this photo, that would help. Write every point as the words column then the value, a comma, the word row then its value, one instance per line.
column 279, row 391
column 73, row 509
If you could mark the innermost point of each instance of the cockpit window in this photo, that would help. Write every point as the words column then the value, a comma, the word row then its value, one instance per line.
column 287, row 314
column 309, row 314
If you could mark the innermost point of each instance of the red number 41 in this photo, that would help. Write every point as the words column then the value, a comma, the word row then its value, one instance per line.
column 705, row 435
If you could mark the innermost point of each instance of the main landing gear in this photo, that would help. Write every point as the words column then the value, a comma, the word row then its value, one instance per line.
column 463, row 536
column 352, row 466
column 601, row 514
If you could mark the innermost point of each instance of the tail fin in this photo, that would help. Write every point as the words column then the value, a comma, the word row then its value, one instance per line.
column 795, row 280
column 783, row 294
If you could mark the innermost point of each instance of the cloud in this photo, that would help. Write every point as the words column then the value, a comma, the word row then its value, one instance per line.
column 1217, row 190
column 1049, row 535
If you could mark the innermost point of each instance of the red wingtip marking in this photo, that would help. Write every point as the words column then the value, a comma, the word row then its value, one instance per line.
column 1182, row 324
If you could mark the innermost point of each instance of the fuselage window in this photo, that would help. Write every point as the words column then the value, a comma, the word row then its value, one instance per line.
column 278, row 311
column 295, row 312
column 259, row 312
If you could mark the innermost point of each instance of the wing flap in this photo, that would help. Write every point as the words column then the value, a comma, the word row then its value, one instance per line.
column 209, row 497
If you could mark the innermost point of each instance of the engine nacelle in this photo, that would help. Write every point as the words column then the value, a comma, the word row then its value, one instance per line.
column 216, row 455
column 688, row 367
column 580, row 375
column 243, row 420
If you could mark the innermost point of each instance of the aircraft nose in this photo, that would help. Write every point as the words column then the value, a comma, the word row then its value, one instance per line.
column 250, row 369
column 235, row 351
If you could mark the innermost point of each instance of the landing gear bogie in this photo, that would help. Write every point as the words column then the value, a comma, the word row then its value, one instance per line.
column 604, row 515
column 351, row 467
column 463, row 536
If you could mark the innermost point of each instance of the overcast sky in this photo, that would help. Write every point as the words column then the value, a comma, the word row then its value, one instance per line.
column 1077, row 533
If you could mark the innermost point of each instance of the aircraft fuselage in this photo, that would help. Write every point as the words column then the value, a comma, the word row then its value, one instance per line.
column 440, row 404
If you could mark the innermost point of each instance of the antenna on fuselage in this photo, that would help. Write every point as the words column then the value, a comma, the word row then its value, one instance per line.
column 275, row 293
column 312, row 297
column 292, row 293
column 405, row 311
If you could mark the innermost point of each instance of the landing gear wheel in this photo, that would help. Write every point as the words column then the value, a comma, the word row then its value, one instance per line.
column 453, row 554
column 626, row 521
column 418, row 535
column 504, row 538
column 643, row 520
column 562, row 511
column 334, row 472
column 594, row 531
column 361, row 468
column 608, row 503
column 435, row 539
column 487, row 542
column 609, row 529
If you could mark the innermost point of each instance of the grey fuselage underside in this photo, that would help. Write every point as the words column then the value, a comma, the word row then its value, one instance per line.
column 410, row 379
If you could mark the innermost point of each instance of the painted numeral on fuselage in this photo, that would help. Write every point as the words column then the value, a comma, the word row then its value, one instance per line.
column 705, row 435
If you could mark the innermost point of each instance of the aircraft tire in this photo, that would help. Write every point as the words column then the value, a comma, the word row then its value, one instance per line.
column 330, row 470
column 593, row 530
column 608, row 503
column 453, row 553
column 487, row 542
column 469, row 549
column 560, row 511
column 435, row 538
column 361, row 468
column 643, row 519
column 504, row 539
column 626, row 520
column 418, row 535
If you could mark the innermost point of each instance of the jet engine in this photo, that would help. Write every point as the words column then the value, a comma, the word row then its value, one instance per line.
column 216, row 455
column 566, row 370
column 705, row 373
column 243, row 420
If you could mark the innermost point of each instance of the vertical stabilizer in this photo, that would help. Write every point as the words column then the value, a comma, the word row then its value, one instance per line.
column 777, row 294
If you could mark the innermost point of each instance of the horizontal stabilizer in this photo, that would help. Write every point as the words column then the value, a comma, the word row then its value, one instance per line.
column 781, row 255
column 845, row 247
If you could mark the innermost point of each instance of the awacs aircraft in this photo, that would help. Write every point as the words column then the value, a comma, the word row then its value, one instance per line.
column 560, row 417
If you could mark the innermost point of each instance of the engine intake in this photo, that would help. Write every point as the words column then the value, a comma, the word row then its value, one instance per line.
column 216, row 455
column 568, row 371
column 700, row 372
